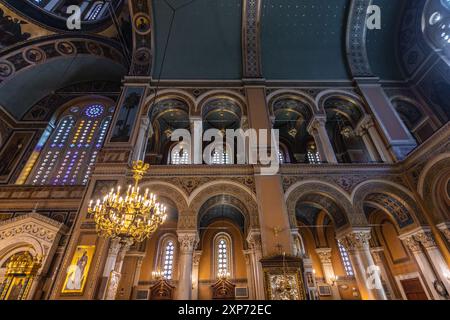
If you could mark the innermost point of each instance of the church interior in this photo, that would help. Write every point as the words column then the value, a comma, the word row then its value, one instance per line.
column 92, row 92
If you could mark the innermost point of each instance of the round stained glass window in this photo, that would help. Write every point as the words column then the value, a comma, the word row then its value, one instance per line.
column 94, row 111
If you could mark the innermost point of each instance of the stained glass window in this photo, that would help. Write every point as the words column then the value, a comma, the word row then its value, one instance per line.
column 69, row 155
column 281, row 157
column 180, row 155
column 345, row 260
column 168, row 259
column 313, row 157
column 223, row 254
column 221, row 157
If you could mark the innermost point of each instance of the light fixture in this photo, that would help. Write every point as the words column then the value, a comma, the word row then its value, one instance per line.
column 133, row 217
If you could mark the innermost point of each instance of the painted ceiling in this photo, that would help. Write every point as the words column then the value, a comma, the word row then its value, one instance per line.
column 300, row 39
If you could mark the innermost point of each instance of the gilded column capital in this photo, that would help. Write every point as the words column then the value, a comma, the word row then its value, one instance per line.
column 425, row 238
column 411, row 244
column 247, row 256
column 114, row 247
column 254, row 239
column 356, row 239
column 315, row 124
column 188, row 241
column 196, row 257
column 365, row 123
column 324, row 255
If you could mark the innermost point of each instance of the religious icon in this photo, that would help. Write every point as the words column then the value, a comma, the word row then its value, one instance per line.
column 142, row 24
column 284, row 287
column 78, row 270
column 16, row 289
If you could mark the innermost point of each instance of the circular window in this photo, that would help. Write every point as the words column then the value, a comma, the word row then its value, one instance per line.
column 94, row 111
column 444, row 32
column 435, row 18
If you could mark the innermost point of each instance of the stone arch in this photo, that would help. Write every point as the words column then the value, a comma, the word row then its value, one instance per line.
column 168, row 190
column 434, row 185
column 286, row 93
column 397, row 201
column 11, row 246
column 203, row 193
column 331, row 194
column 235, row 97
column 162, row 95
column 346, row 95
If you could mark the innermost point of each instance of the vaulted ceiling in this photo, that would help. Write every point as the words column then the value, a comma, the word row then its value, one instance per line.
column 300, row 39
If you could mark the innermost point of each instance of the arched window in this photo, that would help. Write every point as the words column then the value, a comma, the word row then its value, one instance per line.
column 437, row 27
column 69, row 155
column 312, row 153
column 220, row 157
column 95, row 11
column 345, row 260
column 222, row 254
column 281, row 158
column 179, row 154
column 168, row 256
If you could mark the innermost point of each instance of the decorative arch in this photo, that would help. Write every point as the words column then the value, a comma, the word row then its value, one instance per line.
column 433, row 187
column 296, row 95
column 170, row 191
column 237, row 211
column 343, row 94
column 201, row 195
column 168, row 94
column 203, row 100
column 395, row 200
column 331, row 194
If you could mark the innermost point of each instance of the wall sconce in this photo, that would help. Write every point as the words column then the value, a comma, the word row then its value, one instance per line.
column 334, row 279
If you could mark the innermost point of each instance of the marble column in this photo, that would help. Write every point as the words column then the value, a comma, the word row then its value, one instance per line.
column 328, row 271
column 250, row 276
column 117, row 256
column 367, row 124
column 317, row 129
column 141, row 142
column 356, row 242
column 425, row 237
column 188, row 241
column 378, row 258
column 195, row 266
column 196, row 126
column 255, row 244
column 137, row 273
column 422, row 261
column 361, row 130
column 297, row 243
column 399, row 140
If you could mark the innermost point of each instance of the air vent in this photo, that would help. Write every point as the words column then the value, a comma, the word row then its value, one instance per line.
column 324, row 290
column 142, row 295
column 241, row 292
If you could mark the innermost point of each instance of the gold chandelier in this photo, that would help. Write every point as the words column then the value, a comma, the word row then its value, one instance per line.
column 134, row 217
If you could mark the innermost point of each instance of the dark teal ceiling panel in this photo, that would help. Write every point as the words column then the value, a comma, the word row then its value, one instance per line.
column 205, row 42
column 382, row 44
column 304, row 39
